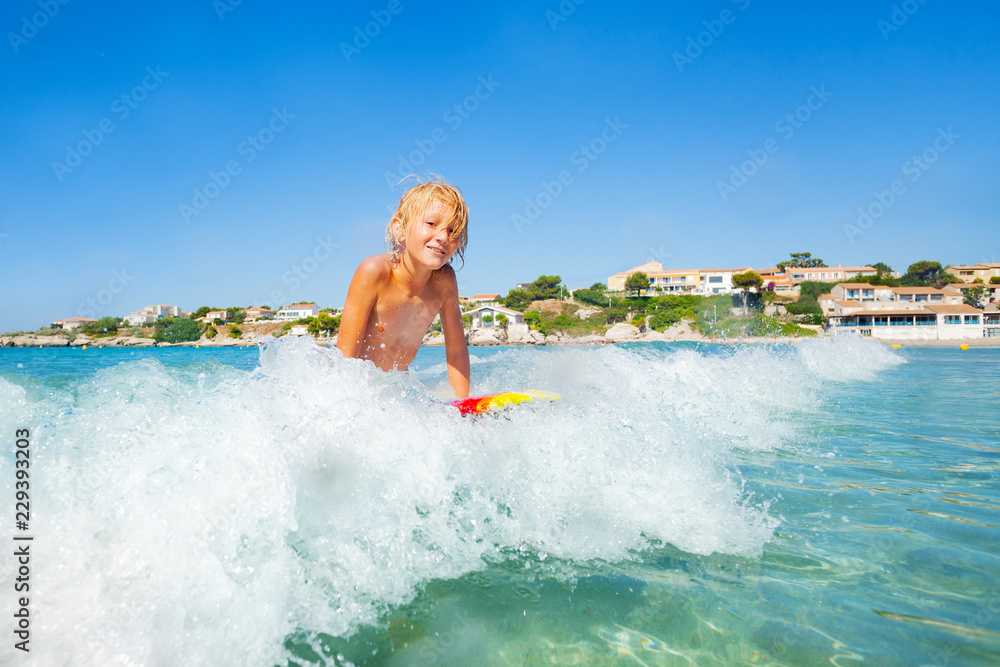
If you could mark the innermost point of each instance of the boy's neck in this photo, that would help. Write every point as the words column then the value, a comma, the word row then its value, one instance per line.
column 412, row 278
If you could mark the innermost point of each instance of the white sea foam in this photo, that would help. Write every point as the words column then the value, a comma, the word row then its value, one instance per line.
column 200, row 517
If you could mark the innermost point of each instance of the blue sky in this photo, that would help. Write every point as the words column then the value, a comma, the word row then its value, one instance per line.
column 251, row 145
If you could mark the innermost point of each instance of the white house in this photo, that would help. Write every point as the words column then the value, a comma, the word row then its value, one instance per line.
column 213, row 315
column 297, row 311
column 150, row 314
column 299, row 330
column 486, row 316
column 72, row 322
column 718, row 281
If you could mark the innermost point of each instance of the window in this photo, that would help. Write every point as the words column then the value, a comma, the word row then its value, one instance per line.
column 952, row 319
column 715, row 279
column 972, row 319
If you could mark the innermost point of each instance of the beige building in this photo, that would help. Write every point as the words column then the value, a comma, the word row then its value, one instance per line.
column 254, row 314
column 679, row 281
column 827, row 274
column 969, row 273
column 905, row 313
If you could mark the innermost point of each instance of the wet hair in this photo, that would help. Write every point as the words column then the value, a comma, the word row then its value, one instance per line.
column 414, row 203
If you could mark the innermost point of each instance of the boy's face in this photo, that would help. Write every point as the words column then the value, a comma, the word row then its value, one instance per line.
column 428, row 239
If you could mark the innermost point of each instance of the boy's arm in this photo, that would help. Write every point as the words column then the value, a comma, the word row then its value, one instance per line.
column 358, row 306
column 456, row 349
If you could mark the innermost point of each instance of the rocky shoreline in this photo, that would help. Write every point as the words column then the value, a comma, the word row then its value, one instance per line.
column 619, row 333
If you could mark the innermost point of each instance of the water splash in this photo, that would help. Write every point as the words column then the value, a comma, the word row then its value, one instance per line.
column 202, row 515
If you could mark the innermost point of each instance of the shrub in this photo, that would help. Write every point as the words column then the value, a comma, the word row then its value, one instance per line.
column 106, row 326
column 591, row 297
column 178, row 330
column 804, row 307
column 234, row 331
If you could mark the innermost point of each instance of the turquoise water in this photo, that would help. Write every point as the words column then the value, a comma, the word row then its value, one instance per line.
column 830, row 502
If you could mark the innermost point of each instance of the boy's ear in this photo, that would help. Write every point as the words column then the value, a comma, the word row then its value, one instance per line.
column 397, row 230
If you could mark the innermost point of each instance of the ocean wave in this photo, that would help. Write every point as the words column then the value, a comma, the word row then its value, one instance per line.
column 201, row 515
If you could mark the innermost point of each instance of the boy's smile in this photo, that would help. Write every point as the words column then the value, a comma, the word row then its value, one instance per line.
column 429, row 238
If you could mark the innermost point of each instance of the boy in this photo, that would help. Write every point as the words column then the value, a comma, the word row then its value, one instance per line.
column 394, row 297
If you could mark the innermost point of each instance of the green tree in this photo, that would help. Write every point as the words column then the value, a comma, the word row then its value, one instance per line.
column 803, row 260
column 234, row 331
column 201, row 312
column 926, row 272
column 517, row 299
column 745, row 282
column 211, row 332
column 502, row 321
column 324, row 323
column 995, row 280
column 599, row 287
column 881, row 269
column 974, row 296
column 637, row 282
column 236, row 314
column 544, row 287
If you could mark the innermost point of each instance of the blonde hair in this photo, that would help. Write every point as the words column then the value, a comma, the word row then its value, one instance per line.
column 414, row 203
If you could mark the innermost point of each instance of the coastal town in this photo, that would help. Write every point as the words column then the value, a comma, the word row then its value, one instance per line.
column 803, row 297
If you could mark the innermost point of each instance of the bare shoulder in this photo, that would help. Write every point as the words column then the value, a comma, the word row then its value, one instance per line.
column 447, row 282
column 376, row 267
